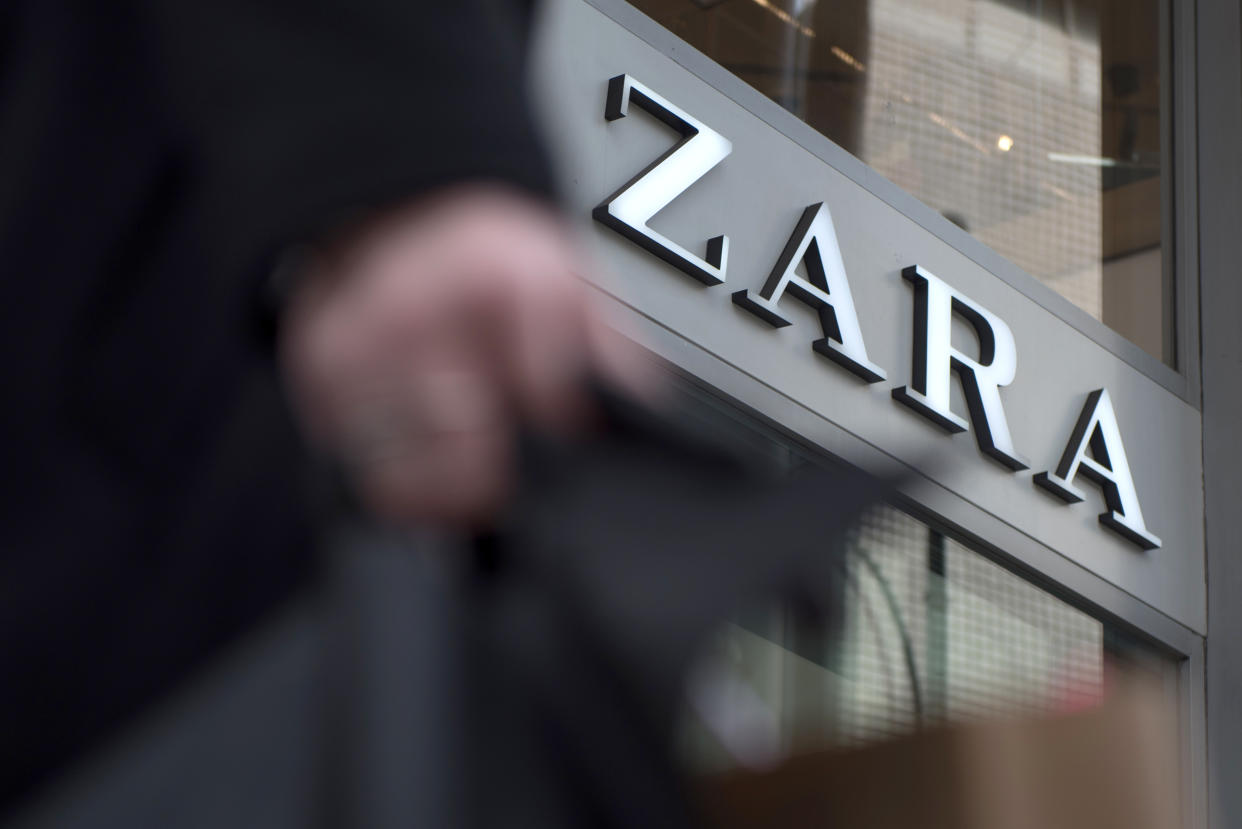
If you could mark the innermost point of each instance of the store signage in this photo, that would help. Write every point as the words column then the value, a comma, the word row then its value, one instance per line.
column 1107, row 467
column 1094, row 451
column 628, row 210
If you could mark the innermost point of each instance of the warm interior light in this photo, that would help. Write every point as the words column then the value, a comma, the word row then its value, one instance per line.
column 785, row 16
column 848, row 59
column 1089, row 160
column 1004, row 143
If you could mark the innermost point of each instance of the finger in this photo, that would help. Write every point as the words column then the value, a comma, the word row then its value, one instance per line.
column 461, row 479
column 543, row 345
column 439, row 453
column 621, row 362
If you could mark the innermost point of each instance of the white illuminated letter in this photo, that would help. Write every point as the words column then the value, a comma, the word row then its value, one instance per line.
column 827, row 290
column 1107, row 467
column 935, row 359
column 628, row 210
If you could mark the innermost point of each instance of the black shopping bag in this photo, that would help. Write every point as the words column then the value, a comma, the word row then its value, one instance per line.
column 526, row 678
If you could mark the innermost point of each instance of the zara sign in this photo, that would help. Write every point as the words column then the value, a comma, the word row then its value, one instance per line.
column 1094, row 451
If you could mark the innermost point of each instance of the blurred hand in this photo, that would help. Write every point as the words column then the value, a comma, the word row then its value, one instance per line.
column 414, row 348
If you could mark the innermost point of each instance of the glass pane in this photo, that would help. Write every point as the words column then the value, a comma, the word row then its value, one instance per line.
column 933, row 632
column 1033, row 124
column 982, row 641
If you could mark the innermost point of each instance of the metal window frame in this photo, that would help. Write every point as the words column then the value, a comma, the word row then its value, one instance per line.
column 1218, row 51
column 1178, row 196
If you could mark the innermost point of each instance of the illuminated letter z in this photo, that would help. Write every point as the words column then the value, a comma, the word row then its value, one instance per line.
column 628, row 210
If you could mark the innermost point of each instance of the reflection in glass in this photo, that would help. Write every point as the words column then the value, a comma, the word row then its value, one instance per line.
column 932, row 632
column 1033, row 124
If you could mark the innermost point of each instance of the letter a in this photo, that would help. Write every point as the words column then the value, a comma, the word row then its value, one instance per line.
column 827, row 290
column 1107, row 467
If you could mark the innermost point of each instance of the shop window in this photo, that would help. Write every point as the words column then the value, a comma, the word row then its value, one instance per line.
column 1035, row 126
column 932, row 632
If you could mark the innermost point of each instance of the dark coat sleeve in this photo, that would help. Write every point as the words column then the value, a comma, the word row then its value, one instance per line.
column 296, row 113
column 155, row 157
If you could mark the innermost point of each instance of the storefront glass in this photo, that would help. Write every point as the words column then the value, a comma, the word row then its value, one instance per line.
column 933, row 632
column 1036, row 125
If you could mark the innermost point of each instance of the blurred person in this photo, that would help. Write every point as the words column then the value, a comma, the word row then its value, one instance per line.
column 219, row 219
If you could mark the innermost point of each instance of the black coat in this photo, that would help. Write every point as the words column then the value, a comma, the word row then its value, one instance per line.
column 534, row 680
column 155, row 158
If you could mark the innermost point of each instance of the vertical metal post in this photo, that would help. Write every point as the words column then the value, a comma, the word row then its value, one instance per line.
column 936, row 700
